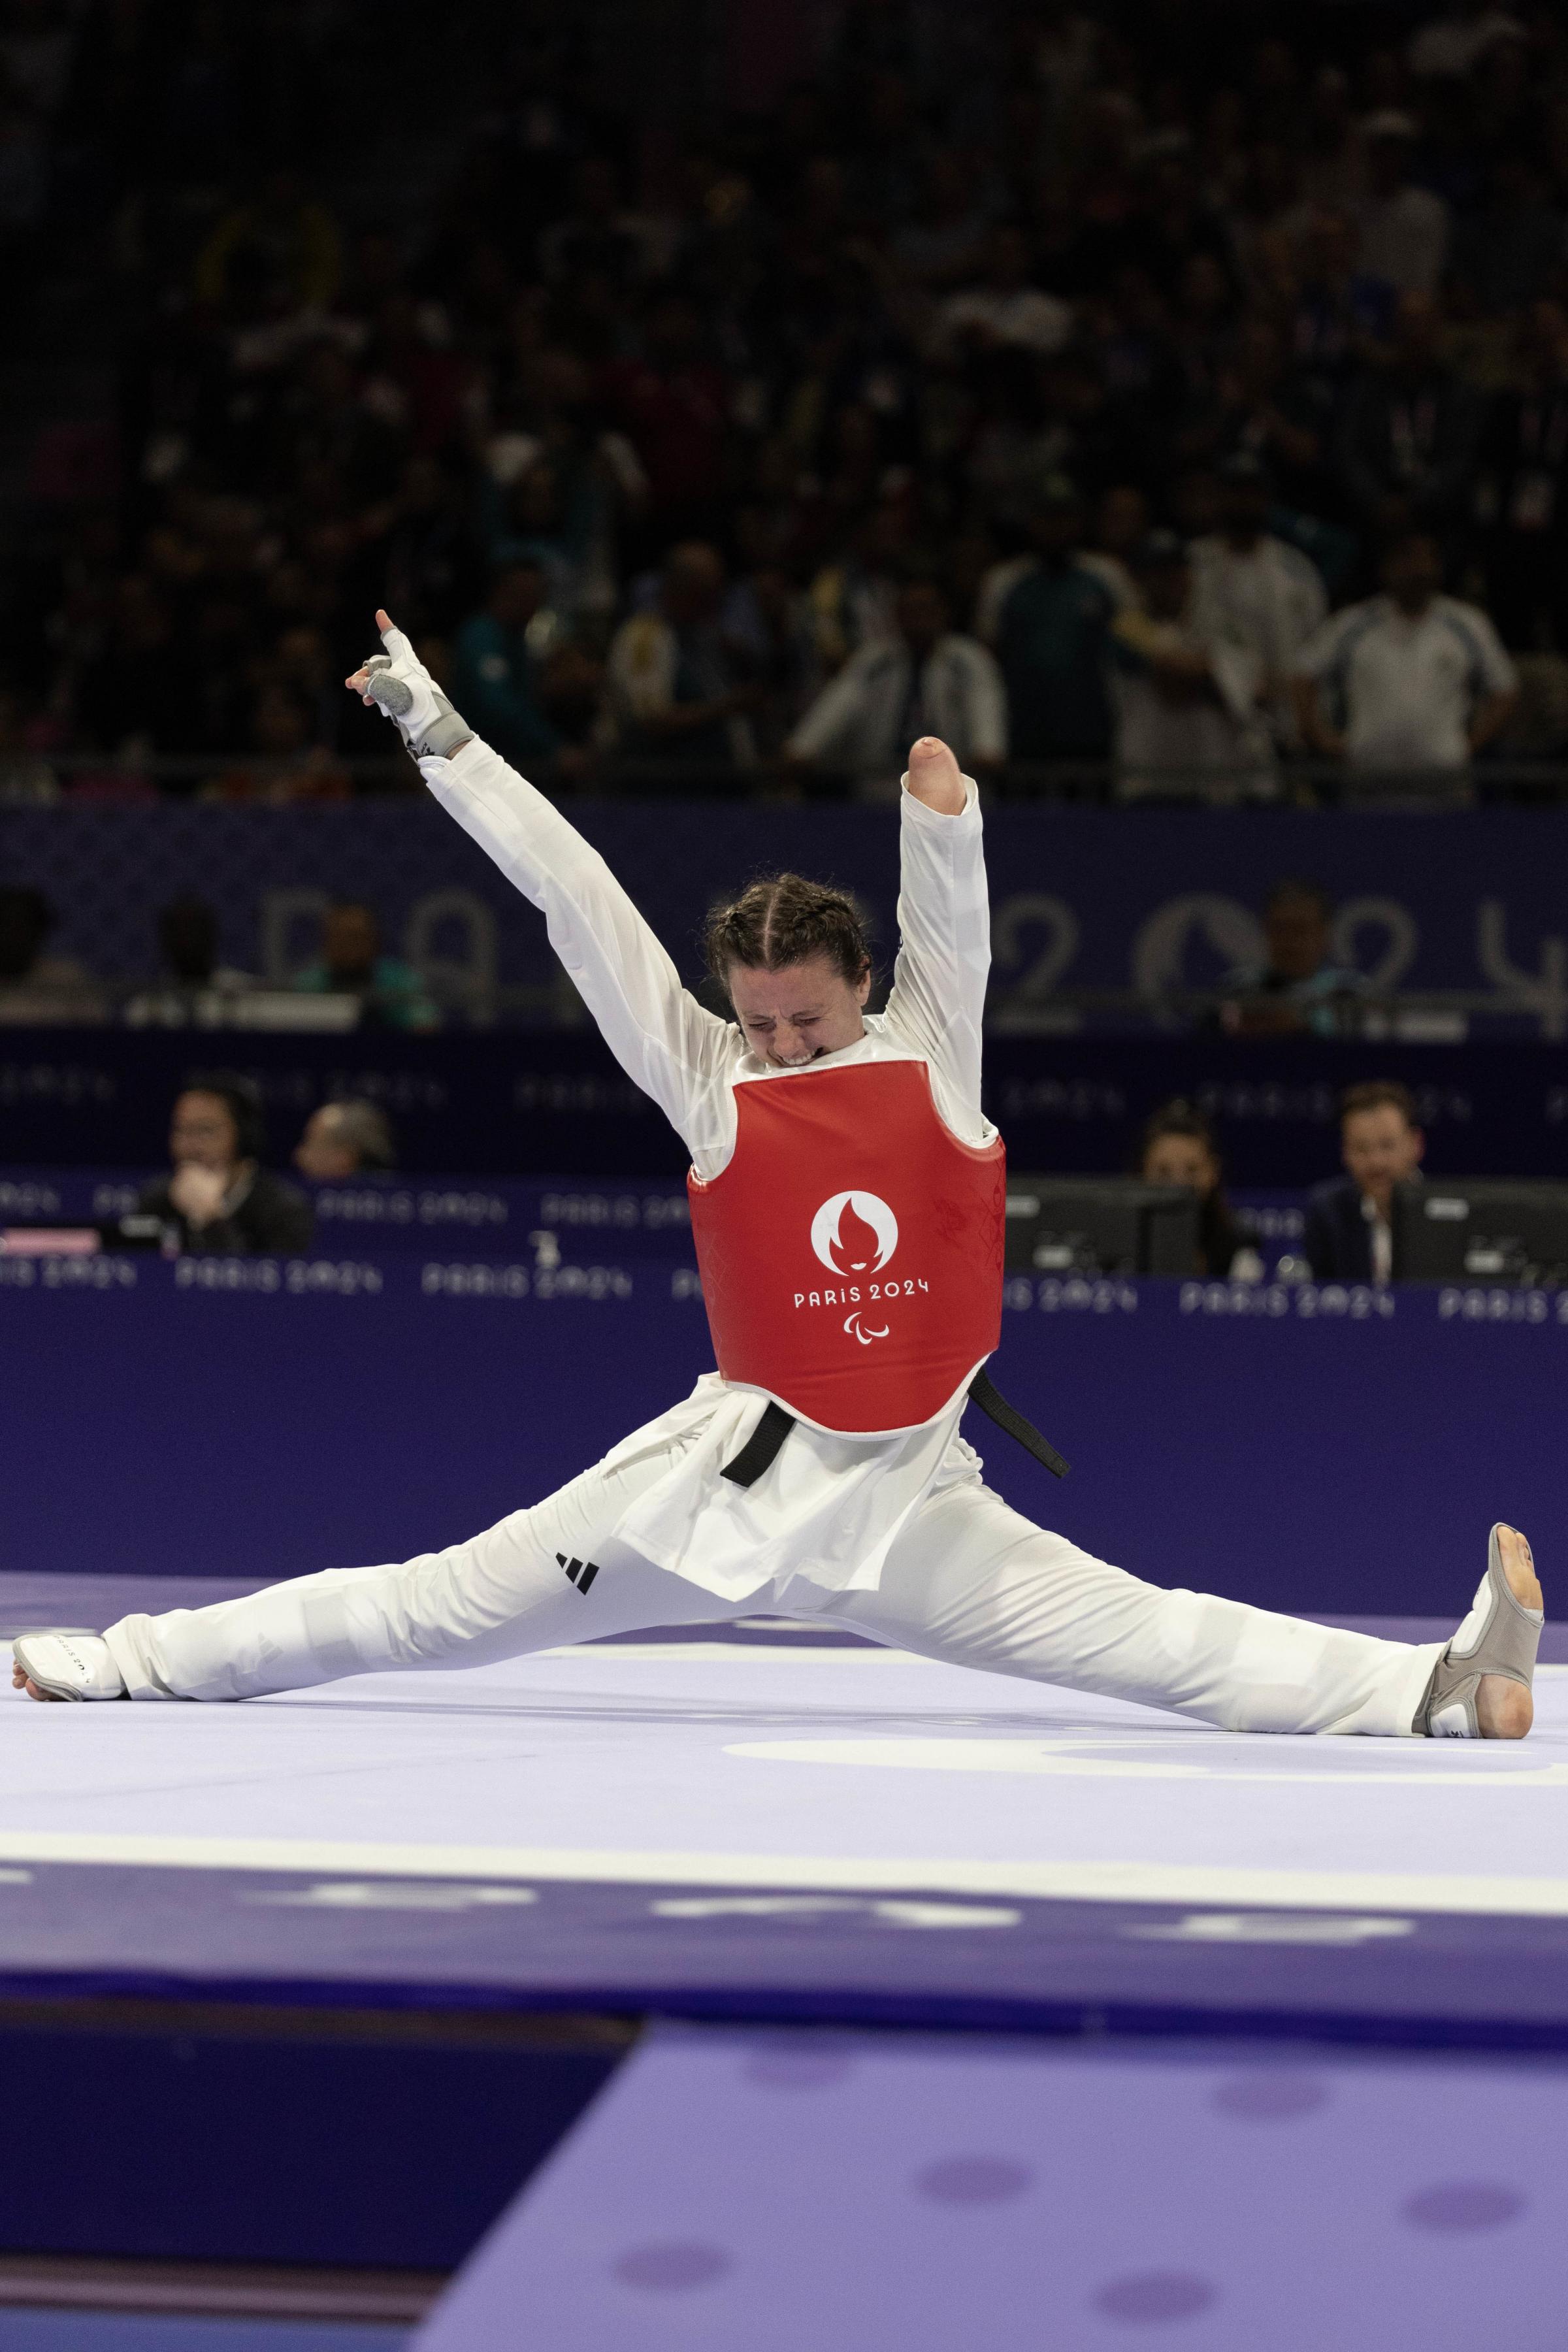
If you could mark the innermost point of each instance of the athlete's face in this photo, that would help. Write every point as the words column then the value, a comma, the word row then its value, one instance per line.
column 792, row 1017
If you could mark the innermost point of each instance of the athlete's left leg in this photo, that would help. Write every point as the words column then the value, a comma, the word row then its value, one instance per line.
column 971, row 1581
column 542, row 1576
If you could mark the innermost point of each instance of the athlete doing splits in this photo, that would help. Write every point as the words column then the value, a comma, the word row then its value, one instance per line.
column 846, row 1195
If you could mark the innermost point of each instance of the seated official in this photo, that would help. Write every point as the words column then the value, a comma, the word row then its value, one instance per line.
column 220, row 1201
column 1179, row 1148
column 1349, row 1235
column 344, row 1139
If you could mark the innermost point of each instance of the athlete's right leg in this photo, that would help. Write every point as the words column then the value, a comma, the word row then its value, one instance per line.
column 973, row 1582
column 504, row 1593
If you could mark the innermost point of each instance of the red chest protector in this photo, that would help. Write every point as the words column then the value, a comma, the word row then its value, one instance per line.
column 851, row 1250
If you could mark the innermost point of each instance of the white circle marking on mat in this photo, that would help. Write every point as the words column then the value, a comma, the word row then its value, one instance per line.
column 1080, row 1758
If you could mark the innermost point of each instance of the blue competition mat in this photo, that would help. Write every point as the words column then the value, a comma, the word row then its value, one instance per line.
column 780, row 1826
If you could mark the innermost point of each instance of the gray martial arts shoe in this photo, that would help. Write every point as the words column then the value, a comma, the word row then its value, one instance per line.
column 69, row 1665
column 1499, row 1636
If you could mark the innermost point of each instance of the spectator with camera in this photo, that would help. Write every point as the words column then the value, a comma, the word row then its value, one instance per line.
column 1348, row 1234
column 221, row 1202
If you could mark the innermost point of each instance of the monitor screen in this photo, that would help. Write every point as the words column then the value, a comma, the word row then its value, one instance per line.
column 1485, row 1230
column 1101, row 1225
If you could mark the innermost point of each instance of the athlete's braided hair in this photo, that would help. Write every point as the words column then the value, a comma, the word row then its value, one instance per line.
column 782, row 918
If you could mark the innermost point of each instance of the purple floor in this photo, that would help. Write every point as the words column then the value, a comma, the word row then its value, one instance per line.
column 901, row 2194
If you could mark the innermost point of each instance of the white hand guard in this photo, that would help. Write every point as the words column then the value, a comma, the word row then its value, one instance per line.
column 399, row 682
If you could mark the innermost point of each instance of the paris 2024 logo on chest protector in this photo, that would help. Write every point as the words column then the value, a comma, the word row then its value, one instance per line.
column 855, row 1234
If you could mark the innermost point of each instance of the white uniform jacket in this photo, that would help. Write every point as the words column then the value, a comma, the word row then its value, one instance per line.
column 829, row 1507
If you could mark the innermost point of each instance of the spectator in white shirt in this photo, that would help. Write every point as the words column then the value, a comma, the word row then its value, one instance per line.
column 1252, row 590
column 1404, row 228
column 1411, row 680
column 1003, row 310
column 927, row 681
column 1188, row 724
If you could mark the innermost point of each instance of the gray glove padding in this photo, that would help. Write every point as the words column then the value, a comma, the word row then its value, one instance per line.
column 398, row 683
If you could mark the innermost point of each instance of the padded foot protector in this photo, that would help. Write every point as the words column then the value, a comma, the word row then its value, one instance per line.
column 1499, row 1636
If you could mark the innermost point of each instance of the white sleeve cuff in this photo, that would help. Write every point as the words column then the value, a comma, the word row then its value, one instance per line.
column 468, row 755
column 917, row 812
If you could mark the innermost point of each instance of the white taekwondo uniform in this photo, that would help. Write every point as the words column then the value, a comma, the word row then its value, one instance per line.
column 898, row 1538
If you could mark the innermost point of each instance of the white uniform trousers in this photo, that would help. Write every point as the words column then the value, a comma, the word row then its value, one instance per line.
column 968, row 1580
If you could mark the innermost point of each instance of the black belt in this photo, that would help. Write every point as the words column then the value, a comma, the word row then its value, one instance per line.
column 760, row 1450
column 984, row 1392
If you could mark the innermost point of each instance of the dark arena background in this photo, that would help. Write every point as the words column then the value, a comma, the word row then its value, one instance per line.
column 1166, row 405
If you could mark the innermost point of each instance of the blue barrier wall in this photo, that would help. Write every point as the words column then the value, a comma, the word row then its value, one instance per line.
column 548, row 1220
column 1080, row 896
column 557, row 1105
column 543, row 1220
column 1322, row 1449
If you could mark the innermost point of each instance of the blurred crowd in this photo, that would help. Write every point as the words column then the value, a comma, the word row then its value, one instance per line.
column 1177, row 395
column 352, row 981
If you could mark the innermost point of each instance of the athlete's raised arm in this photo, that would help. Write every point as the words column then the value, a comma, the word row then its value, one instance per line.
column 660, row 1035
column 938, row 998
